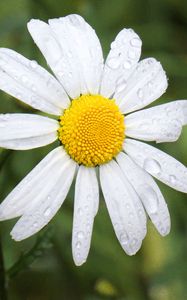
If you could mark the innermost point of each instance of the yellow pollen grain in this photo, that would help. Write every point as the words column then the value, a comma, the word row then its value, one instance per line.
column 92, row 130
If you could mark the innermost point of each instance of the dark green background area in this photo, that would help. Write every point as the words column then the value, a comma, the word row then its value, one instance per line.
column 41, row 267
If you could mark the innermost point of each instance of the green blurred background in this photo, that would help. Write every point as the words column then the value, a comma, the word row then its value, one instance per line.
column 41, row 267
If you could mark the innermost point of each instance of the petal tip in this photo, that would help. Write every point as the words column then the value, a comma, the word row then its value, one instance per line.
column 79, row 261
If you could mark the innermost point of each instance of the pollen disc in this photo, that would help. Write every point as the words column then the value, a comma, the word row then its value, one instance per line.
column 92, row 130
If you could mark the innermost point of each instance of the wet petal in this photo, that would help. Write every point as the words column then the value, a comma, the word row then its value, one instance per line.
column 85, row 208
column 120, row 204
column 27, row 81
column 47, row 202
column 149, row 193
column 147, row 83
column 26, row 131
column 162, row 123
column 78, row 59
column 16, row 203
column 121, row 61
column 159, row 164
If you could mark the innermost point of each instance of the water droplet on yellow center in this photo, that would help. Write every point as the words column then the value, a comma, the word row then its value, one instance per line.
column 92, row 130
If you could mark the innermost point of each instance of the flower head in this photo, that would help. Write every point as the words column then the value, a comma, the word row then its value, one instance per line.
column 97, row 128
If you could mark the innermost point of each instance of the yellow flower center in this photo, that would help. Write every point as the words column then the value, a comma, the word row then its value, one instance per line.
column 92, row 130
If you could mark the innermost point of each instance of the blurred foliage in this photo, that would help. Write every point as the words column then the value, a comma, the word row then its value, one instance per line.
column 159, row 270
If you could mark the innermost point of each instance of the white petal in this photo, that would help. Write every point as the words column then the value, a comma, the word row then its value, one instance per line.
column 78, row 59
column 85, row 208
column 15, row 204
column 121, row 61
column 26, row 131
column 30, row 83
column 120, row 204
column 159, row 164
column 48, row 201
column 148, row 192
column 147, row 83
column 162, row 123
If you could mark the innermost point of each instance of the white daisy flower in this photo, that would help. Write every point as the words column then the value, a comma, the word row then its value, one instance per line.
column 97, row 127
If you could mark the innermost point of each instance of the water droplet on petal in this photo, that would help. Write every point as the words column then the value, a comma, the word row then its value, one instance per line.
column 124, row 239
column 131, row 215
column 35, row 224
column 127, row 64
column 47, row 212
column 140, row 93
column 78, row 245
column 75, row 20
column 24, row 79
column 120, row 85
column 136, row 42
column 80, row 211
column 152, row 166
column 172, row 179
column 134, row 242
column 131, row 54
column 33, row 64
column 113, row 63
column 60, row 74
column 80, row 235
column 70, row 54
column 33, row 87
column 150, row 200
column 127, row 206
column 150, row 84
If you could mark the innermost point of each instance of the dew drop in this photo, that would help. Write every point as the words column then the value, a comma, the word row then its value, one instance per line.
column 172, row 179
column 140, row 93
column 134, row 242
column 18, row 95
column 33, row 64
column 150, row 200
column 150, row 84
column 89, row 197
column 131, row 215
column 80, row 235
column 86, row 207
column 124, row 239
column 127, row 64
column 53, row 47
column 113, row 63
column 80, row 212
column 120, row 85
column 131, row 54
column 152, row 166
column 70, row 54
column 35, row 224
column 163, row 231
column 78, row 245
column 135, row 42
column 47, row 212
column 24, row 79
column 150, row 61
column 70, row 74
column 33, row 87
column 127, row 206
column 75, row 20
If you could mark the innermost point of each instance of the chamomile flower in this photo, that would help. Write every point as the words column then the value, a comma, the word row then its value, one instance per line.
column 97, row 127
